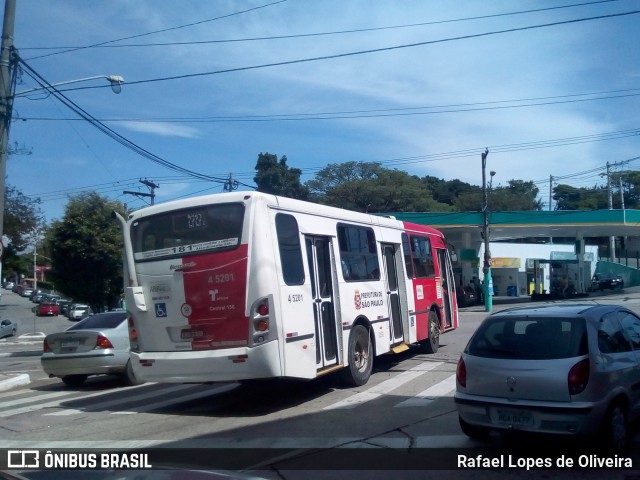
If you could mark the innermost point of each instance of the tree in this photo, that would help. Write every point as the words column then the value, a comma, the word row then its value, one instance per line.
column 518, row 195
column 572, row 198
column 23, row 225
column 277, row 178
column 86, row 251
column 368, row 187
column 23, row 219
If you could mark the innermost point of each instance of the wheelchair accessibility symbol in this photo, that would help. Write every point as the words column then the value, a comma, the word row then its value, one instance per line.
column 161, row 309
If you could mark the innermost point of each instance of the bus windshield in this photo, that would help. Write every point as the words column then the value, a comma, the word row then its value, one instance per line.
column 188, row 231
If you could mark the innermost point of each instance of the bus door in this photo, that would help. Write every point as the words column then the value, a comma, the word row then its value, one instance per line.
column 326, row 330
column 393, row 293
column 448, row 285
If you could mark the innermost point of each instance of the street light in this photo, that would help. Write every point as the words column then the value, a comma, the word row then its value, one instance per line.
column 486, row 269
column 7, row 96
column 116, row 82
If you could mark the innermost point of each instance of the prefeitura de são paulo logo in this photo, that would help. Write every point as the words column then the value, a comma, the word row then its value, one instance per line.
column 356, row 299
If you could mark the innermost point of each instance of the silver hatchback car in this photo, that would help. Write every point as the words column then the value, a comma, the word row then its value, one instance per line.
column 565, row 369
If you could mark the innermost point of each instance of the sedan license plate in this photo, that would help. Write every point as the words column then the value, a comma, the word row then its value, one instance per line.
column 516, row 418
column 70, row 343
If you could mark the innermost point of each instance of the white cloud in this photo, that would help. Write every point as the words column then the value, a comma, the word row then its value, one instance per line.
column 162, row 129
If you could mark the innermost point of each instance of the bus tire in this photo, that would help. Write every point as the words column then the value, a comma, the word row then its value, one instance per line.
column 360, row 357
column 432, row 343
column 129, row 377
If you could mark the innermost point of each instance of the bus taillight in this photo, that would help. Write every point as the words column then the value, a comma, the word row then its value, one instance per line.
column 261, row 331
column 133, row 336
column 263, row 309
column 262, row 325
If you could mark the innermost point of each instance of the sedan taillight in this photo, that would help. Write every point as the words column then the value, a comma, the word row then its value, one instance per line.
column 45, row 346
column 461, row 373
column 102, row 342
column 578, row 377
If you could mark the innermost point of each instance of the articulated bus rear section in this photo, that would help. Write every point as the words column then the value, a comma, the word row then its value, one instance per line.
column 245, row 285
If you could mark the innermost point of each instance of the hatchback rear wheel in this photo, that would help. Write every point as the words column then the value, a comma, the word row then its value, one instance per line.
column 615, row 429
column 474, row 432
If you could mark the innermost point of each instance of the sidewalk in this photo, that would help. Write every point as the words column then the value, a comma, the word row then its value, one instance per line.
column 26, row 345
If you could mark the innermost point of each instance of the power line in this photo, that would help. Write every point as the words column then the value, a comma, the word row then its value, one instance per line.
column 378, row 50
column 111, row 133
column 389, row 112
column 301, row 35
column 73, row 49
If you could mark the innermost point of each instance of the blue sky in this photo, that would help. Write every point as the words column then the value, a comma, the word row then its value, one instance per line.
column 440, row 81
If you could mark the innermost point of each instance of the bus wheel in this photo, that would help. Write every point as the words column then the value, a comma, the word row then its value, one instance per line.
column 129, row 377
column 358, row 371
column 432, row 343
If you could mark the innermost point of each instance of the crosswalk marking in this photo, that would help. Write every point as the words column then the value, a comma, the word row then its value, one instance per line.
column 117, row 401
column 55, row 403
column 187, row 392
column 32, row 399
column 384, row 387
column 193, row 396
column 441, row 389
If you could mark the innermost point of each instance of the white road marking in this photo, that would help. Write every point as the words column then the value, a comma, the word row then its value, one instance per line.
column 384, row 387
column 118, row 401
column 441, row 389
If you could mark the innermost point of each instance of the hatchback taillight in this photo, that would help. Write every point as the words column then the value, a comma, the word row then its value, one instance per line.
column 578, row 377
column 103, row 342
column 461, row 373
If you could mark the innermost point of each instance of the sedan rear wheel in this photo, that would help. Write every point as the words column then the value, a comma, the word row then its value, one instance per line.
column 74, row 380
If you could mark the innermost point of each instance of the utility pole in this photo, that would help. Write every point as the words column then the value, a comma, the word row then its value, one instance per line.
column 486, row 269
column 152, row 186
column 230, row 185
column 612, row 239
column 7, row 83
column 550, row 191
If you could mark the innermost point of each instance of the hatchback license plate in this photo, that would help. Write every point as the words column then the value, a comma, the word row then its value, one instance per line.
column 514, row 417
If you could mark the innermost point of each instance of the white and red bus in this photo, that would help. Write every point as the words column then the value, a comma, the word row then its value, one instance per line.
column 245, row 285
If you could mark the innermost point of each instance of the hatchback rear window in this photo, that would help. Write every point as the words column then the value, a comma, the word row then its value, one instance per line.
column 530, row 338
column 100, row 321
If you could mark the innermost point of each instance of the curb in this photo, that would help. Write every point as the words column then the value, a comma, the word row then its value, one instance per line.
column 14, row 381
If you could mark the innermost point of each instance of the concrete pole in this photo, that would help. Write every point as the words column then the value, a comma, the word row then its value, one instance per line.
column 488, row 283
column 6, row 100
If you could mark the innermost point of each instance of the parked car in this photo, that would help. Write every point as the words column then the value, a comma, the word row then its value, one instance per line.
column 566, row 369
column 97, row 345
column 46, row 308
column 600, row 281
column 26, row 292
column 8, row 328
column 466, row 296
column 9, row 285
column 78, row 311
column 64, row 305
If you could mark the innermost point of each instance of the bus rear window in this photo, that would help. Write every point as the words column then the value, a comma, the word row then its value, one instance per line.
column 188, row 231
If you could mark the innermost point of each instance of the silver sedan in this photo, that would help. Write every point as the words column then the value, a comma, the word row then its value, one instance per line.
column 99, row 344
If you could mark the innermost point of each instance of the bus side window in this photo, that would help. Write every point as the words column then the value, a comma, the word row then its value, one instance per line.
column 358, row 253
column 422, row 258
column 290, row 249
column 406, row 252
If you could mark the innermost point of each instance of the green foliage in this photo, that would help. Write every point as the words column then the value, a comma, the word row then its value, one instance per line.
column 277, row 178
column 86, row 251
column 23, row 218
column 572, row 198
column 368, row 187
